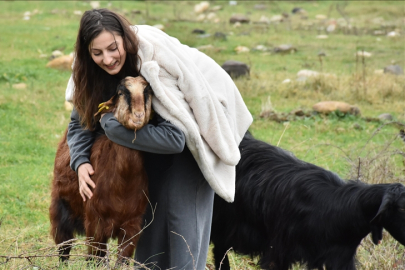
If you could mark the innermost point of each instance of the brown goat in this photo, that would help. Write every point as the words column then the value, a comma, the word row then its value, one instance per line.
column 120, row 197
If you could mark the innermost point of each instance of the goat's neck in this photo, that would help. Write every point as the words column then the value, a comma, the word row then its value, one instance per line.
column 370, row 199
column 359, row 204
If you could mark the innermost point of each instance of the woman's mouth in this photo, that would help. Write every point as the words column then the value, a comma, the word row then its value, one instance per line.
column 112, row 66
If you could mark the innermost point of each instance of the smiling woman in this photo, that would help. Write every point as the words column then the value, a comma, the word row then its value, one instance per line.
column 107, row 52
column 200, row 100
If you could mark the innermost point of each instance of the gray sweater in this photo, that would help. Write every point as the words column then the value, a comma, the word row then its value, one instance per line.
column 159, row 137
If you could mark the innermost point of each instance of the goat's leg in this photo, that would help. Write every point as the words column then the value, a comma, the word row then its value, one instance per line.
column 275, row 266
column 221, row 257
column 97, row 248
column 269, row 261
column 338, row 265
column 63, row 225
column 127, row 241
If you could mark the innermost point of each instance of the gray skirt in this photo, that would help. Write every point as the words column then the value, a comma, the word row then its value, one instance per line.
column 178, row 232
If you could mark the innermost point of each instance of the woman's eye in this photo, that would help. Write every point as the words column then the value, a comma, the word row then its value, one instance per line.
column 96, row 54
column 114, row 49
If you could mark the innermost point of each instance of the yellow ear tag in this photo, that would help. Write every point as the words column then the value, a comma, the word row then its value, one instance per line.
column 102, row 107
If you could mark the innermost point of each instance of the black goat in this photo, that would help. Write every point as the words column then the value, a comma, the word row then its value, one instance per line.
column 288, row 211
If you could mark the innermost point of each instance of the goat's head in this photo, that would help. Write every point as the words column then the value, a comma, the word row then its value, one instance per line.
column 391, row 215
column 132, row 103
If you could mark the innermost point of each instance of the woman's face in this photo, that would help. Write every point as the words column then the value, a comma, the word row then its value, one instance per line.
column 107, row 51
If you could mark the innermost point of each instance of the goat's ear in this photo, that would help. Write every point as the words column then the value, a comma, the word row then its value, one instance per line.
column 107, row 106
column 376, row 222
column 147, row 93
column 148, row 90
column 385, row 202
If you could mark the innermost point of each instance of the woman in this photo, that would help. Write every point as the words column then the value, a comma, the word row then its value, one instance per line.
column 187, row 158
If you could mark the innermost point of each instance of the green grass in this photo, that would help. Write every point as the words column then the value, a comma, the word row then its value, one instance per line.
column 33, row 119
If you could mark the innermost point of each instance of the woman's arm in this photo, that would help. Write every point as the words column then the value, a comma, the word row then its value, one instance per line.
column 164, row 138
column 80, row 142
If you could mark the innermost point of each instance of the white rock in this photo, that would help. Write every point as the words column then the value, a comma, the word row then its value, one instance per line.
column 321, row 17
column 211, row 16
column 261, row 48
column 378, row 33
column 241, row 49
column 276, row 18
column 331, row 27
column 200, row 18
column 378, row 20
column 95, row 4
column 322, row 36
column 78, row 12
column 19, row 86
column 57, row 53
column 205, row 47
column 215, row 8
column 233, row 3
column 303, row 74
column 201, row 7
column 364, row 54
column 286, row 81
column 379, row 71
column 307, row 73
column 393, row 34
column 264, row 19
column 159, row 26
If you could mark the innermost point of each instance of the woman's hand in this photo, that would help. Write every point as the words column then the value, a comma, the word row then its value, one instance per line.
column 84, row 171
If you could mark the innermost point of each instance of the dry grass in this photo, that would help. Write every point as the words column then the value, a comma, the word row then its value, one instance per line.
column 381, row 90
column 48, row 258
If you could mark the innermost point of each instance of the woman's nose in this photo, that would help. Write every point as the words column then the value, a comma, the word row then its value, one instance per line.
column 107, row 59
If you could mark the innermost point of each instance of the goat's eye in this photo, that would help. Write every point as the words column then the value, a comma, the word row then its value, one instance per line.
column 120, row 94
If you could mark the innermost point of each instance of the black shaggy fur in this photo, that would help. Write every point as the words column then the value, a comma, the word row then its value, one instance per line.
column 288, row 211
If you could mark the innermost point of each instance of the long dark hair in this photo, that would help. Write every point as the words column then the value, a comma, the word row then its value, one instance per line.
column 92, row 84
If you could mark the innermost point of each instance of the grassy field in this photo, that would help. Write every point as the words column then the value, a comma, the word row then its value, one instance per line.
column 34, row 118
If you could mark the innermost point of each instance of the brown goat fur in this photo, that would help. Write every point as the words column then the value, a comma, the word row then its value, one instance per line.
column 120, row 196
